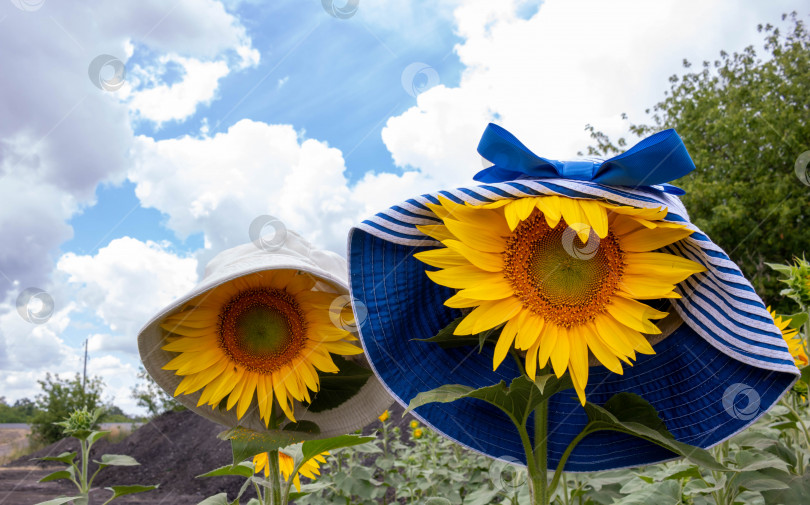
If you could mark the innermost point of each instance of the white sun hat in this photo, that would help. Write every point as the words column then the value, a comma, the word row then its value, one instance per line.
column 287, row 251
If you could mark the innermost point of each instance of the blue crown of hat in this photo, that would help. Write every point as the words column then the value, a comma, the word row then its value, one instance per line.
column 713, row 376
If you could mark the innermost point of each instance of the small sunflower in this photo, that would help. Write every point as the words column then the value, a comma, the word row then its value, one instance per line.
column 793, row 339
column 384, row 416
column 264, row 334
column 417, row 433
column 286, row 464
column 414, row 424
column 564, row 276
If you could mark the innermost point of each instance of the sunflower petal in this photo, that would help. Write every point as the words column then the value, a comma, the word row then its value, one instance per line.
column 646, row 240
column 560, row 353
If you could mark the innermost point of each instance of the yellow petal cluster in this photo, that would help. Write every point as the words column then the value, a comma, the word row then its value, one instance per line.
column 286, row 463
column 564, row 278
column 793, row 339
column 258, row 340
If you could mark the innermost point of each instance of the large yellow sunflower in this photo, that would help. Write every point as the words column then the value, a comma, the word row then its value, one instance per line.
column 793, row 339
column 564, row 276
column 286, row 464
column 265, row 334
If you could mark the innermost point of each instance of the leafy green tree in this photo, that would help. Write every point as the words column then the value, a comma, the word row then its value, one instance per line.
column 22, row 411
column 745, row 120
column 114, row 414
column 150, row 396
column 59, row 398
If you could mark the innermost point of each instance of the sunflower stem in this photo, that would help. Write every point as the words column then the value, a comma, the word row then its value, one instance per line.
column 272, row 495
column 85, row 448
column 539, row 477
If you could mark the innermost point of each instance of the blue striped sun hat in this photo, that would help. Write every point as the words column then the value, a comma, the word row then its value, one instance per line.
column 719, row 364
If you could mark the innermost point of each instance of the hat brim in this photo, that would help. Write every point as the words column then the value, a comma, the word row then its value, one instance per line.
column 355, row 413
column 703, row 394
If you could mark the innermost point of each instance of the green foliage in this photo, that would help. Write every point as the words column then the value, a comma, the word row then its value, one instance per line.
column 150, row 396
column 22, row 411
column 743, row 118
column 630, row 414
column 80, row 425
column 414, row 470
column 517, row 401
column 337, row 388
column 796, row 276
column 59, row 398
column 114, row 414
column 769, row 462
column 246, row 444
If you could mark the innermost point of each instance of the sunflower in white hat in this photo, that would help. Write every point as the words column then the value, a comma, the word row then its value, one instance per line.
column 254, row 343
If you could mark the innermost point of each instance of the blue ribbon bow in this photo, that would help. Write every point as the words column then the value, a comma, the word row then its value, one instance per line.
column 655, row 160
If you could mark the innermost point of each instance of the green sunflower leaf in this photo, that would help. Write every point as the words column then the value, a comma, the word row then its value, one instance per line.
column 303, row 427
column 61, row 474
column 517, row 401
column 797, row 320
column 66, row 458
column 246, row 443
column 94, row 436
column 446, row 338
column 117, row 460
column 62, row 500
column 796, row 493
column 660, row 493
column 217, row 499
column 337, row 388
column 242, row 469
column 490, row 335
column 806, row 374
column 631, row 414
column 312, row 448
column 125, row 490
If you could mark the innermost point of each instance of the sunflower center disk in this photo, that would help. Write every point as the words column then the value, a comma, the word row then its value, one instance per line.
column 557, row 276
column 262, row 329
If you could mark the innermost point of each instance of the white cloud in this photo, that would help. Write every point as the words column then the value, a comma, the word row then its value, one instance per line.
column 219, row 184
column 59, row 135
column 124, row 284
column 572, row 63
column 29, row 346
column 179, row 100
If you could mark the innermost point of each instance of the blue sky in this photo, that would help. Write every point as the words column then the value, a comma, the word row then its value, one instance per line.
column 333, row 79
column 114, row 200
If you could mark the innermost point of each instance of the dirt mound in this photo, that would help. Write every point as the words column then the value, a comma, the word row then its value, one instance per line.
column 173, row 449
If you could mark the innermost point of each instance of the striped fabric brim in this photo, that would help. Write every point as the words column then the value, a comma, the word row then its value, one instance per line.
column 723, row 367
